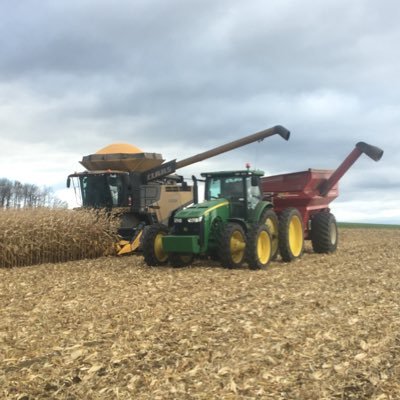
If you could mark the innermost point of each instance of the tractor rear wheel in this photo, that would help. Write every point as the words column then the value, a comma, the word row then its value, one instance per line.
column 324, row 233
column 291, row 234
column 259, row 247
column 270, row 219
column 153, row 252
column 232, row 246
column 178, row 260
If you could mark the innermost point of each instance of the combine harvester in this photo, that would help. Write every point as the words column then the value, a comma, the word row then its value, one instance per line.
column 238, row 222
column 142, row 190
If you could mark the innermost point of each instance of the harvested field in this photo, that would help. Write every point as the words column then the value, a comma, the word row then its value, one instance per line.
column 324, row 327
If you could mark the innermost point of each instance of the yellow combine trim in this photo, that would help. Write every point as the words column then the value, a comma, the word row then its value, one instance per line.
column 126, row 247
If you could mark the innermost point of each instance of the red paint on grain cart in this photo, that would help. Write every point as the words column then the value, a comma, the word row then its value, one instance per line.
column 311, row 191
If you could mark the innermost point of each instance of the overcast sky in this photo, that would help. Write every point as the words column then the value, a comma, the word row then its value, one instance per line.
column 178, row 77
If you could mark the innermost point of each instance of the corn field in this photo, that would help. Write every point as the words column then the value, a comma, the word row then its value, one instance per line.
column 36, row 236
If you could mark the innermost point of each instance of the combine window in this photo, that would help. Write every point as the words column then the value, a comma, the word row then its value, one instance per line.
column 101, row 191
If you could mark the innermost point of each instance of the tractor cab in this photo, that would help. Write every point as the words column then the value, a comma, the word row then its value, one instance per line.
column 101, row 189
column 240, row 188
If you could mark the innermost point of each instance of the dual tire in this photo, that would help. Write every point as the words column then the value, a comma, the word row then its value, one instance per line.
column 235, row 247
column 258, row 247
column 324, row 234
column 291, row 234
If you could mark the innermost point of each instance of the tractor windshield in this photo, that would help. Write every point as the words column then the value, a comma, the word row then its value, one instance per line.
column 101, row 191
column 227, row 187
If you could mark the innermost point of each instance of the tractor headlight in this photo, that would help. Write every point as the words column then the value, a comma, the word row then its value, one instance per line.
column 195, row 220
column 177, row 220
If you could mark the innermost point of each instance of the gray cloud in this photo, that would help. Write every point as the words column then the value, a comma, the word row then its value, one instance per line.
column 180, row 77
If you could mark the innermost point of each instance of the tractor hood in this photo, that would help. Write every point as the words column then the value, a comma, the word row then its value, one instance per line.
column 199, row 210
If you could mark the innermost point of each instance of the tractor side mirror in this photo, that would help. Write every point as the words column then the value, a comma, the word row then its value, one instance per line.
column 68, row 182
column 254, row 180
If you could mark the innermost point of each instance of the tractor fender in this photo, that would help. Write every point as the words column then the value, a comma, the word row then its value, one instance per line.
column 240, row 222
column 260, row 208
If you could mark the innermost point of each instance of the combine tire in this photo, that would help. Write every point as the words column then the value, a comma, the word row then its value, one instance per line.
column 291, row 234
column 178, row 260
column 232, row 246
column 324, row 233
column 259, row 247
column 270, row 219
column 153, row 251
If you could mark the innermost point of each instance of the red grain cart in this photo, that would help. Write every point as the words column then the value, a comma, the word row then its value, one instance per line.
column 301, row 201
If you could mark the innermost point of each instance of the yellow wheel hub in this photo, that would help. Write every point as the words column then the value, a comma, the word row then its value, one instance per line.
column 237, row 246
column 263, row 247
column 159, row 252
column 295, row 236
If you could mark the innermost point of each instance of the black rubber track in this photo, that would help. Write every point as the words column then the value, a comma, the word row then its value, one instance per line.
column 324, row 233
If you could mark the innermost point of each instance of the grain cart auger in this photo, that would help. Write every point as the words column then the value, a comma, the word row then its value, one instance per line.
column 142, row 190
column 301, row 200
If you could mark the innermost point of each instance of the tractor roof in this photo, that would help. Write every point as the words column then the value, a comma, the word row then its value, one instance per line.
column 232, row 173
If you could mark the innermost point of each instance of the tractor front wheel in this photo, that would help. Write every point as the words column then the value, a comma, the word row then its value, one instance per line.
column 324, row 233
column 232, row 246
column 178, row 260
column 291, row 234
column 259, row 247
column 153, row 252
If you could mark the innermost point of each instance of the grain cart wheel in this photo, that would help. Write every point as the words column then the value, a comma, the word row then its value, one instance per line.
column 232, row 246
column 270, row 219
column 259, row 247
column 153, row 251
column 291, row 234
column 178, row 260
column 324, row 233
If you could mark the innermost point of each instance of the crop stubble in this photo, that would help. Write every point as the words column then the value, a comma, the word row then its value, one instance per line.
column 324, row 327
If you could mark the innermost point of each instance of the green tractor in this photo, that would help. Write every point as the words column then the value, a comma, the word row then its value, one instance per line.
column 233, row 225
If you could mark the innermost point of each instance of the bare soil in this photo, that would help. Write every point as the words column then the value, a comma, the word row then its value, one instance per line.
column 324, row 327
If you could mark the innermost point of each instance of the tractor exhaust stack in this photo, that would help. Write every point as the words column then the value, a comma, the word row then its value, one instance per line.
column 375, row 153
